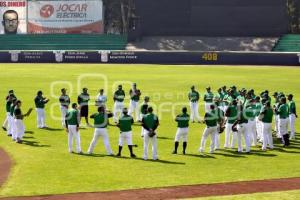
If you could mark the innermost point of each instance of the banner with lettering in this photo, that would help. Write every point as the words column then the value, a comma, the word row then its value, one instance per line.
column 73, row 16
column 13, row 16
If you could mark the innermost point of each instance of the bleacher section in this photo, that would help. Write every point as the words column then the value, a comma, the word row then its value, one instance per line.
column 62, row 42
column 288, row 43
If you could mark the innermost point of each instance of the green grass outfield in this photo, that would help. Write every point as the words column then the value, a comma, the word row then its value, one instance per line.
column 44, row 166
column 283, row 195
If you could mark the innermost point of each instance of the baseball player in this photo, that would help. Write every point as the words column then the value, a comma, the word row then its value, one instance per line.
column 266, row 116
column 7, row 123
column 259, row 125
column 283, row 112
column 194, row 98
column 228, row 98
column 220, row 97
column 231, row 115
column 242, row 129
column 100, row 124
column 250, row 114
column 276, row 117
column 18, row 120
column 211, row 121
column 8, row 99
column 64, row 100
column 101, row 99
column 208, row 98
column 150, row 123
column 144, row 111
column 12, row 127
column 83, row 102
column 292, row 115
column 182, row 130
column 134, row 101
column 72, row 128
column 125, row 123
column 119, row 97
column 40, row 102
column 220, row 124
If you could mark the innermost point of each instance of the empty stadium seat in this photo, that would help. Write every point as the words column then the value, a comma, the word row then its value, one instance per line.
column 288, row 43
column 62, row 42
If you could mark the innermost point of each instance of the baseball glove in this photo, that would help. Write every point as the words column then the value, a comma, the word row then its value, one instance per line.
column 221, row 129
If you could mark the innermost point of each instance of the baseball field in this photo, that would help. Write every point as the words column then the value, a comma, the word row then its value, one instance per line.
column 42, row 165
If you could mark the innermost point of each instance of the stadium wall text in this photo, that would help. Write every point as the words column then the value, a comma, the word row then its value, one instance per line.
column 152, row 57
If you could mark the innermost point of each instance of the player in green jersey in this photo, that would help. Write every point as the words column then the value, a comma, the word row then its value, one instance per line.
column 182, row 130
column 134, row 101
column 194, row 97
column 40, row 102
column 208, row 99
column 292, row 115
column 283, row 113
column 266, row 117
column 119, row 97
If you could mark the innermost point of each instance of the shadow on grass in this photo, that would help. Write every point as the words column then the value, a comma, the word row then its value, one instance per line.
column 156, row 161
column 28, row 137
column 204, row 155
column 229, row 155
column 165, row 138
column 53, row 129
column 29, row 132
column 34, row 143
column 285, row 150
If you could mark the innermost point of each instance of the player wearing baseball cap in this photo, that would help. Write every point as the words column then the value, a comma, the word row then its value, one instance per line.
column 266, row 116
column 292, row 115
column 283, row 113
column 182, row 130
column 134, row 101
column 194, row 98
column 40, row 102
column 64, row 101
column 208, row 99
column 119, row 97
column 144, row 111
column 8, row 99
column 83, row 102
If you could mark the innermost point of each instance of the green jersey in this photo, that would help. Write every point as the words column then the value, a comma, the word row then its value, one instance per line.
column 12, row 109
column 83, row 99
column 194, row 96
column 150, row 121
column 144, row 108
column 101, row 119
column 135, row 95
column 249, row 111
column 119, row 95
column 267, row 114
column 72, row 117
column 292, row 107
column 182, row 120
column 227, row 99
column 8, row 103
column 18, row 113
column 208, row 97
column 211, row 118
column 258, row 107
column 231, row 114
column 283, row 111
column 64, row 100
column 39, row 102
column 125, row 123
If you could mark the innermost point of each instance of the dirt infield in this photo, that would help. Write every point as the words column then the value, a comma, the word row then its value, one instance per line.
column 5, row 166
column 176, row 192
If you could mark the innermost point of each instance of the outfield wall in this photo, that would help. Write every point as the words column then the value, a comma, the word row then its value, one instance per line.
column 152, row 57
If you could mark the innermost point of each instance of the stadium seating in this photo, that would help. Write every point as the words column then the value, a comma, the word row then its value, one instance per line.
column 62, row 42
column 288, row 43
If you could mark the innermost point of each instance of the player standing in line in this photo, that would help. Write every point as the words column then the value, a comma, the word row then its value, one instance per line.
column 283, row 112
column 208, row 99
column 242, row 129
column 12, row 128
column 125, row 123
column 228, row 98
column 276, row 117
column 72, row 128
column 182, row 130
column 134, row 101
column 211, row 121
column 220, row 97
column 8, row 99
column 40, row 102
column 220, row 125
column 7, row 123
column 250, row 114
column 231, row 115
column 144, row 111
column 19, row 125
column 64, row 100
column 266, row 116
column 194, row 97
column 119, row 97
column 101, row 99
column 258, row 123
column 83, row 102
column 150, row 123
column 292, row 115
column 100, row 125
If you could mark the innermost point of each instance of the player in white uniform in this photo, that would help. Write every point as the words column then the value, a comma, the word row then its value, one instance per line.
column 119, row 97
column 101, row 99
column 64, row 100
column 194, row 98
column 134, row 102
column 182, row 130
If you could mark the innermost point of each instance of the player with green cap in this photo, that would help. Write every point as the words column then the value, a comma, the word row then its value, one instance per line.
column 40, row 102
column 182, row 130
column 266, row 117
column 292, row 115
column 194, row 97
column 125, row 123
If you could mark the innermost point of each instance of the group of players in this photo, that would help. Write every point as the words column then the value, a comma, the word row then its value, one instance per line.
column 247, row 118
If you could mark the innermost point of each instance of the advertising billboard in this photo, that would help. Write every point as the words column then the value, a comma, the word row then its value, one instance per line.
column 13, row 17
column 73, row 16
